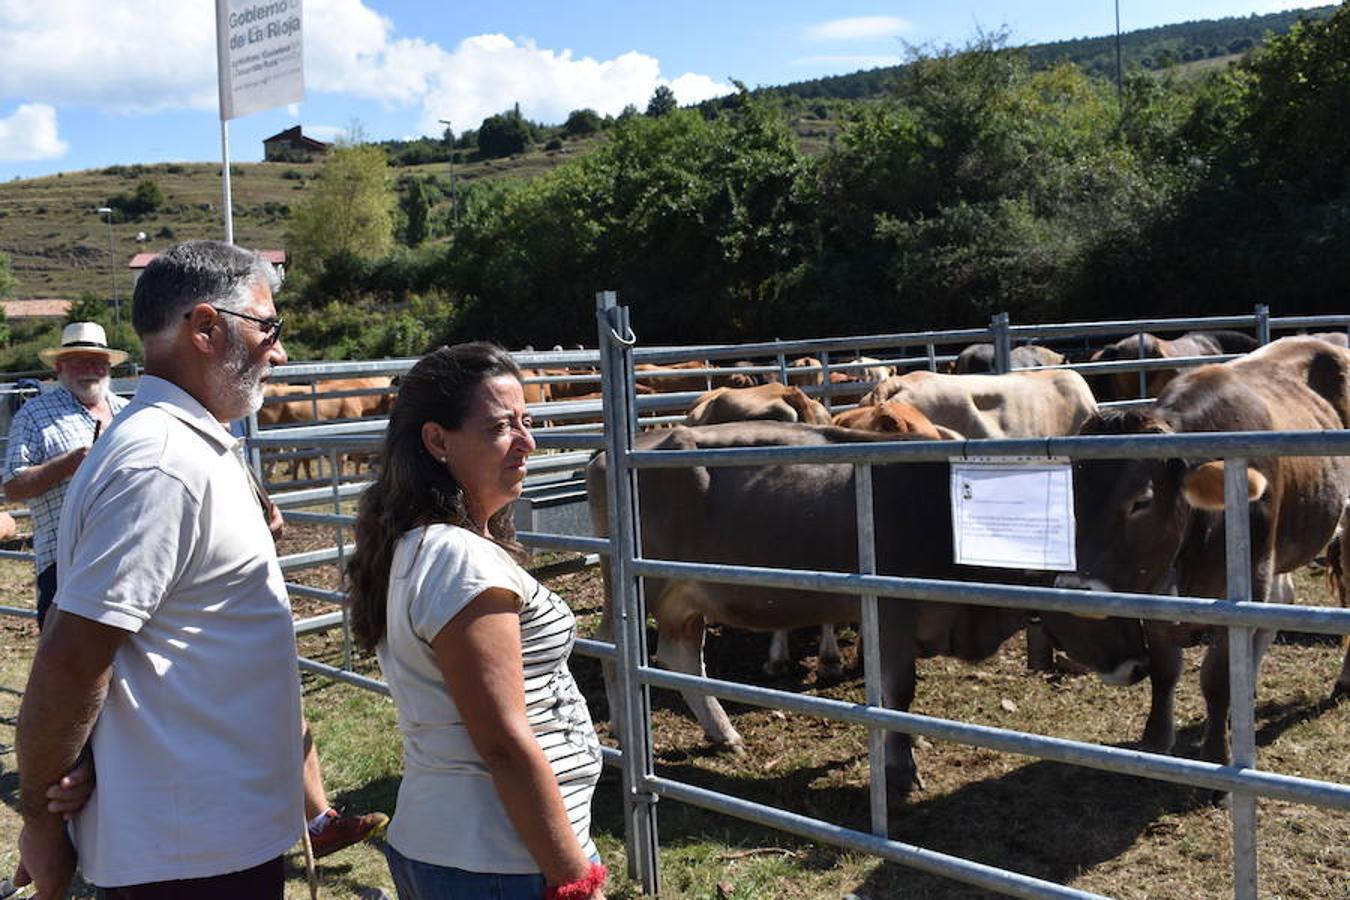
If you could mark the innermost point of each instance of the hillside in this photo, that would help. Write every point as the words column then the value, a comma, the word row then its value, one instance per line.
column 1149, row 48
column 58, row 243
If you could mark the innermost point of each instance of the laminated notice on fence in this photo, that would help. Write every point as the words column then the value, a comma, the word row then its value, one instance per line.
column 1013, row 513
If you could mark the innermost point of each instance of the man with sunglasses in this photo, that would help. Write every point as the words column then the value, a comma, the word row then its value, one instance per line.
column 170, row 648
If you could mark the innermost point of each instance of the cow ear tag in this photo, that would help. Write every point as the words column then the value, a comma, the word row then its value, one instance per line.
column 1013, row 513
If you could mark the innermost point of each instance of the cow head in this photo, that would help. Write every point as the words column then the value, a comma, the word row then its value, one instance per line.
column 1133, row 515
column 1133, row 521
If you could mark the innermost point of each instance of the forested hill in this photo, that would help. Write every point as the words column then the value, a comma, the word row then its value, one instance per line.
column 1148, row 48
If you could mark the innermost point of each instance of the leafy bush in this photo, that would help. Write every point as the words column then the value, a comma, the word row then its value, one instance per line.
column 504, row 134
column 145, row 200
column 581, row 122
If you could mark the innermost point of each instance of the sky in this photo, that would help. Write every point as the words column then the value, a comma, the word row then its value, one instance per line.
column 90, row 83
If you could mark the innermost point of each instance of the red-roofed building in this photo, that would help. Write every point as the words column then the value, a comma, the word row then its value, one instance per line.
column 292, row 146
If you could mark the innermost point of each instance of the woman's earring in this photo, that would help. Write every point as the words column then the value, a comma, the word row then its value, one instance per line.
column 442, row 460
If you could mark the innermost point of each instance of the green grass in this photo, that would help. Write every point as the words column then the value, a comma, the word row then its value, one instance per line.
column 1116, row 835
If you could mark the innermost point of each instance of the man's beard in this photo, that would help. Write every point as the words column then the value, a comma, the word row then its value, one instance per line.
column 241, row 387
column 90, row 392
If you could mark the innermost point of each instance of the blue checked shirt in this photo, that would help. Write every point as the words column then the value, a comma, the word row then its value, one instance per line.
column 44, row 428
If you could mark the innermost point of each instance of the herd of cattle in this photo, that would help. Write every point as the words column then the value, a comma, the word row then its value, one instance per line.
column 1143, row 526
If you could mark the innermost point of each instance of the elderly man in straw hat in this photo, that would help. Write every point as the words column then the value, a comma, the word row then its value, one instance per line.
column 51, row 435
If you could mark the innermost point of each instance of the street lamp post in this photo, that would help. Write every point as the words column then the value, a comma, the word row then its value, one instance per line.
column 112, row 268
column 454, row 205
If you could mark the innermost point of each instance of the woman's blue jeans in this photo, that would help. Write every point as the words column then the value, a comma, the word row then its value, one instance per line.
column 425, row 881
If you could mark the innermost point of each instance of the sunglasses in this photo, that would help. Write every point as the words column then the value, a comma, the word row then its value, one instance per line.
column 270, row 327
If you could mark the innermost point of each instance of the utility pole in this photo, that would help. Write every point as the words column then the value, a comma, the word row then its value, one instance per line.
column 454, row 204
column 112, row 268
column 1120, row 83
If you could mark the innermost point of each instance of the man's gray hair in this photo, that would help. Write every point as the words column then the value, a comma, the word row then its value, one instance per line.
column 196, row 272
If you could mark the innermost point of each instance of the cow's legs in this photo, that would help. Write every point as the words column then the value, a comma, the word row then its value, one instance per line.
column 1164, row 670
column 1040, row 649
column 780, row 658
column 897, row 634
column 680, row 649
column 605, row 632
column 1338, row 563
column 1214, row 687
column 828, row 666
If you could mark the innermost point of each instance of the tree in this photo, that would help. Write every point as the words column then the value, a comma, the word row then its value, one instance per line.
column 663, row 102
column 140, row 203
column 504, row 134
column 417, row 209
column 90, row 307
column 582, row 122
column 7, row 279
column 348, row 211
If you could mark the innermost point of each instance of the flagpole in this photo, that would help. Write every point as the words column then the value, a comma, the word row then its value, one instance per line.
column 222, row 64
column 225, row 179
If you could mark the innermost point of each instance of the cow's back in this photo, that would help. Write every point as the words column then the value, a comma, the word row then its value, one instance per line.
column 778, row 516
column 1294, row 384
column 1018, row 404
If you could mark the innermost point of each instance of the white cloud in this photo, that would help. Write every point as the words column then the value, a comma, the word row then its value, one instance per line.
column 157, row 55
column 488, row 73
column 31, row 134
column 118, row 57
column 860, row 28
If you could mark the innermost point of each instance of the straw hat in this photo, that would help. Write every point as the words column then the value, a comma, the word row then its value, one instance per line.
column 82, row 337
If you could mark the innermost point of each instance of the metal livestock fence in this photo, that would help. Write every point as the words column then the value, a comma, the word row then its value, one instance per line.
column 618, row 414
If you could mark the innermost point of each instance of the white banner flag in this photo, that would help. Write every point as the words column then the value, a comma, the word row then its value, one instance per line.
column 259, row 52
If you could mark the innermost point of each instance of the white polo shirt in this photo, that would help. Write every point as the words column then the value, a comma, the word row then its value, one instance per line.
column 198, row 746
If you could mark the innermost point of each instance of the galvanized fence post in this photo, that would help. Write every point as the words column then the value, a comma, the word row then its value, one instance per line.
column 871, row 645
column 825, row 380
column 627, row 609
column 932, row 357
column 1262, row 324
column 1002, row 337
column 335, row 461
column 1241, row 673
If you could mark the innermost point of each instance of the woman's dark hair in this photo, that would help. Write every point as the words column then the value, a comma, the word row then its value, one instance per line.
column 413, row 489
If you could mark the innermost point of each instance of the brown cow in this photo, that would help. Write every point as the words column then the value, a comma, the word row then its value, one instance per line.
column 1018, row 404
column 978, row 359
column 779, row 402
column 1029, row 403
column 672, row 384
column 894, row 417
column 798, row 516
column 1338, row 564
column 1154, row 526
column 1125, row 385
column 800, row 379
column 313, row 405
